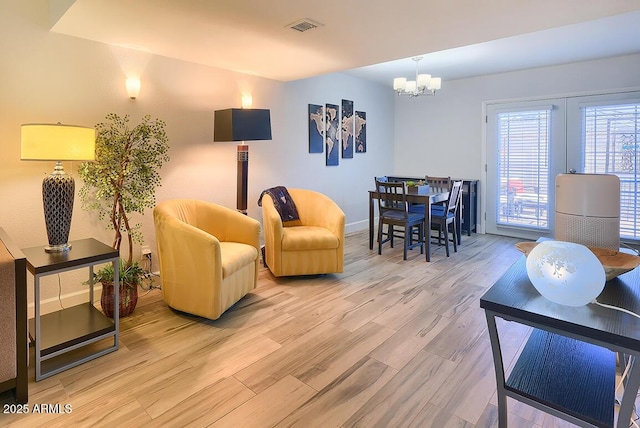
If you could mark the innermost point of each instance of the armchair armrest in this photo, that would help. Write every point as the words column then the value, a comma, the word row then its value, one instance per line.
column 273, row 227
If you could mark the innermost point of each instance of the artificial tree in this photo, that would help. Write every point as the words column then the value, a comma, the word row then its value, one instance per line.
column 120, row 183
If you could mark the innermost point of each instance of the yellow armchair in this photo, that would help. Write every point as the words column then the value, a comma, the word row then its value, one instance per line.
column 208, row 254
column 312, row 245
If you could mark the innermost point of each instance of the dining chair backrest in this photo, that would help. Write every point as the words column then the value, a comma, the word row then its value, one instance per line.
column 382, row 179
column 392, row 198
column 454, row 196
column 438, row 184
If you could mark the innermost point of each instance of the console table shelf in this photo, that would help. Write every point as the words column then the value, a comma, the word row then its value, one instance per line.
column 568, row 375
column 71, row 326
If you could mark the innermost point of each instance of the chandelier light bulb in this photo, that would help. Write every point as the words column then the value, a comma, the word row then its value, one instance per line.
column 423, row 80
column 399, row 83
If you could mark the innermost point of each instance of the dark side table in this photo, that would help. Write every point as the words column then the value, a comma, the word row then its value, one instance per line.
column 568, row 365
column 63, row 338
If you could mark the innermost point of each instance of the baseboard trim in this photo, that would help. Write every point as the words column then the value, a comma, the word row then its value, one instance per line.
column 68, row 300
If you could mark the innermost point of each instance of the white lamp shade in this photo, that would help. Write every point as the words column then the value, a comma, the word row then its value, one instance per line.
column 133, row 87
column 423, row 80
column 565, row 272
column 411, row 86
column 247, row 101
column 57, row 142
column 435, row 83
column 399, row 83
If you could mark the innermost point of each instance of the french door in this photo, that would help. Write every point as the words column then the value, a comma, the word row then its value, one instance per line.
column 525, row 151
column 529, row 143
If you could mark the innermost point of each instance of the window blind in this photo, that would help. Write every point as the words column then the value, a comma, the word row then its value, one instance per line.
column 523, row 168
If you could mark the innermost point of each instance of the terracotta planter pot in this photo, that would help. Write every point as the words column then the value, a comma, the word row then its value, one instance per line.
column 127, row 294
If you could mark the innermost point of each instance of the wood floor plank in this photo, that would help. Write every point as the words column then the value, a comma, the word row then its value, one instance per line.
column 432, row 416
column 209, row 405
column 339, row 400
column 459, row 337
column 403, row 397
column 409, row 340
column 267, row 408
column 471, row 386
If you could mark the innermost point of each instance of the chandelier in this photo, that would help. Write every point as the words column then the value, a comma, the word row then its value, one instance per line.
column 423, row 85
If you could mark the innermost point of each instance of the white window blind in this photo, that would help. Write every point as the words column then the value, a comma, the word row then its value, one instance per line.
column 523, row 168
column 610, row 146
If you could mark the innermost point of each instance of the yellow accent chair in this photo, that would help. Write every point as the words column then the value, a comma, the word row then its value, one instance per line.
column 209, row 255
column 312, row 245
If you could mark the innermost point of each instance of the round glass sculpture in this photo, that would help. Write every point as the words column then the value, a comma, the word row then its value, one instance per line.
column 565, row 272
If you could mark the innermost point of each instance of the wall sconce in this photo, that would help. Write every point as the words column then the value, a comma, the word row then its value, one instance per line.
column 247, row 101
column 133, row 87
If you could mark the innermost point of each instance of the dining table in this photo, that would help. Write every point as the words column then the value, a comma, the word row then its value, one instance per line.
column 426, row 199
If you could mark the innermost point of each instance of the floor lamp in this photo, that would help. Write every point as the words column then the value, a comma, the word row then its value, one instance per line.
column 57, row 142
column 242, row 125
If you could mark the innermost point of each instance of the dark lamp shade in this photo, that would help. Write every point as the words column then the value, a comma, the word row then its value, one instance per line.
column 236, row 124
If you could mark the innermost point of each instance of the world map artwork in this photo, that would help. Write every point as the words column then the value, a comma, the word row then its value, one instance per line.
column 361, row 132
column 331, row 136
column 336, row 129
column 316, row 128
column 347, row 129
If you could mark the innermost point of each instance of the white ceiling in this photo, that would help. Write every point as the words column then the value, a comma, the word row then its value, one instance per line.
column 373, row 39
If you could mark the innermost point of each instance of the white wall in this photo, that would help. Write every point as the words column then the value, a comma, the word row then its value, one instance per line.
column 48, row 77
column 443, row 135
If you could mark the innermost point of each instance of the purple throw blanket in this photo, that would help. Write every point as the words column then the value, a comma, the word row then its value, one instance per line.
column 282, row 201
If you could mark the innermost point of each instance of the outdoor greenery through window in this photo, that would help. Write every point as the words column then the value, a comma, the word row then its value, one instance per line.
column 610, row 146
column 523, row 168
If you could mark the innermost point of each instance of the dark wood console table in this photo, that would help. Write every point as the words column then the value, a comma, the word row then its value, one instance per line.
column 567, row 368
column 57, row 333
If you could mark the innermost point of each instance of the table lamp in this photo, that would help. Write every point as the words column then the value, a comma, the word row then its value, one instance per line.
column 242, row 125
column 565, row 272
column 57, row 142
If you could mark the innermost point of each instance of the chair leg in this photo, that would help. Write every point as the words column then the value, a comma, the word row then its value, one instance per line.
column 406, row 242
column 380, row 226
column 427, row 244
column 446, row 239
column 455, row 237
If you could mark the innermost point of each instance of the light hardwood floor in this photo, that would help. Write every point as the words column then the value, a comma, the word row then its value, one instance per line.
column 387, row 343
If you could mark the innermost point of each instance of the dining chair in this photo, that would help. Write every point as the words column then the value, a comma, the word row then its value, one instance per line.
column 439, row 184
column 382, row 179
column 444, row 216
column 394, row 212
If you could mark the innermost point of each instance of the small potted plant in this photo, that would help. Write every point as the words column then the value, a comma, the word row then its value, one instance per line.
column 121, row 182
column 418, row 187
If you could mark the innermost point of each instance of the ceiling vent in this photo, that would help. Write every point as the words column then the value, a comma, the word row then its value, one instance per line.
column 305, row 24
